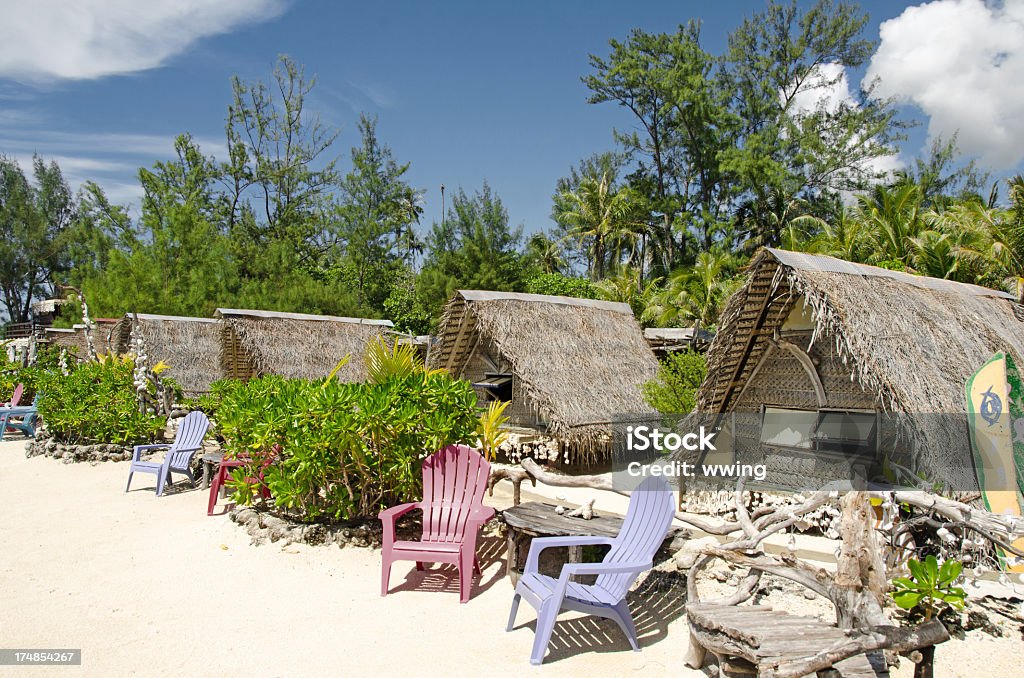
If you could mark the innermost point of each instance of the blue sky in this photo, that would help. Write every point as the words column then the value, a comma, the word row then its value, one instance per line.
column 464, row 91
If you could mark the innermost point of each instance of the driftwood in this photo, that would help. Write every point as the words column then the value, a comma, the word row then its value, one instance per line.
column 512, row 474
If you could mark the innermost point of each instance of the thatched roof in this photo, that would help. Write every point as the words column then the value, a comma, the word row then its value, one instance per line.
column 297, row 345
column 191, row 346
column 581, row 362
column 912, row 340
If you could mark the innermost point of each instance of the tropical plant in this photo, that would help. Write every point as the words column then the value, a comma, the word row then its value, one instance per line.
column 930, row 587
column 693, row 297
column 490, row 430
column 96, row 403
column 384, row 362
column 604, row 217
column 674, row 390
column 342, row 450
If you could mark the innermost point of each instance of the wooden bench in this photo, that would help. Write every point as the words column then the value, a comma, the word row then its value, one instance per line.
column 535, row 519
column 757, row 640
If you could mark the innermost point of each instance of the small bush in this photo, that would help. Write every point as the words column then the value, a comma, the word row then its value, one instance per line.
column 342, row 451
column 674, row 390
column 95, row 403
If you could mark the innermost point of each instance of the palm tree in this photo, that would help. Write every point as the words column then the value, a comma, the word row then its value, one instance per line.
column 626, row 286
column 598, row 215
column 891, row 217
column 694, row 296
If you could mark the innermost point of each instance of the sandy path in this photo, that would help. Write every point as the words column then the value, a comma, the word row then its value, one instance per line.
column 153, row 586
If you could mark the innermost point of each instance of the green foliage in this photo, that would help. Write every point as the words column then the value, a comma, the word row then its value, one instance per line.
column 560, row 285
column 95, row 403
column 930, row 587
column 474, row 248
column 674, row 390
column 343, row 450
column 35, row 222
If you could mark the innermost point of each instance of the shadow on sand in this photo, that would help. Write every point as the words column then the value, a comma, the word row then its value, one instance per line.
column 658, row 601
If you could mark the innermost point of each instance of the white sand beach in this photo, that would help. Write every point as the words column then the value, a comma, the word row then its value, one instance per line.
column 152, row 586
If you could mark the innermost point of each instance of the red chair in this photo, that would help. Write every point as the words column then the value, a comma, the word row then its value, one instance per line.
column 454, row 481
column 224, row 469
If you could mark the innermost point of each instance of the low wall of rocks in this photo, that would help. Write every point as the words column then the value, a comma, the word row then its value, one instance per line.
column 265, row 527
column 70, row 454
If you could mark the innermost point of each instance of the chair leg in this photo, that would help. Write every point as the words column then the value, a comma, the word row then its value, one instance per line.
column 162, row 479
column 546, row 616
column 385, row 576
column 476, row 567
column 465, row 579
column 128, row 486
column 419, row 566
column 214, row 490
column 625, row 621
column 512, row 614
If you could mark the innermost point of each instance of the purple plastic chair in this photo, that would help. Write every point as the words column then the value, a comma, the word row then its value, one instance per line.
column 187, row 442
column 651, row 508
column 454, row 481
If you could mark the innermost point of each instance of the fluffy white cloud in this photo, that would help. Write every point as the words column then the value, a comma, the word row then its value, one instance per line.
column 85, row 39
column 827, row 88
column 962, row 63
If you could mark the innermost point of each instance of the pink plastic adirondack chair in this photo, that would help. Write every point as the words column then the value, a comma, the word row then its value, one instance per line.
column 16, row 396
column 454, row 481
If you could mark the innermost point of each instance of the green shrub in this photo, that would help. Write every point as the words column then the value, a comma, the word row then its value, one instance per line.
column 674, row 390
column 95, row 403
column 929, row 588
column 343, row 451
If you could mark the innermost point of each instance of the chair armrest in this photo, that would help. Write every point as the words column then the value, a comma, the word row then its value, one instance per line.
column 137, row 450
column 538, row 544
column 571, row 569
column 390, row 515
column 481, row 515
column 396, row 512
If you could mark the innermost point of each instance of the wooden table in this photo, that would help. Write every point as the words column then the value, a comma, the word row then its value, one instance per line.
column 534, row 519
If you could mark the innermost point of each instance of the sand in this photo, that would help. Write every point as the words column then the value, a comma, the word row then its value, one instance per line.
column 152, row 586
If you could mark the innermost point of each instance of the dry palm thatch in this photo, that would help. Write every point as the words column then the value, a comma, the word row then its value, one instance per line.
column 579, row 362
column 190, row 346
column 910, row 340
column 296, row 345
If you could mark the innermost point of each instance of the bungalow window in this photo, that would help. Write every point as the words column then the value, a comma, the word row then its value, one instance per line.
column 496, row 386
column 836, row 431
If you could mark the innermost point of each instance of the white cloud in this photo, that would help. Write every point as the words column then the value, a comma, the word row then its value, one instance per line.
column 962, row 63
column 827, row 90
column 86, row 39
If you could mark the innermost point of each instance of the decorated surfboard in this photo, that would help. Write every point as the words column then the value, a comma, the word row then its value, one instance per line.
column 995, row 414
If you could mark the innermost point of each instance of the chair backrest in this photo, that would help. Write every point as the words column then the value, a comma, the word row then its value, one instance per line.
column 188, row 438
column 651, row 508
column 454, row 481
column 16, row 396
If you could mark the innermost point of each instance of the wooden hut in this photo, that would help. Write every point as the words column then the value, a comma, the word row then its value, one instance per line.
column 190, row 346
column 568, row 367
column 853, row 360
column 667, row 340
column 297, row 345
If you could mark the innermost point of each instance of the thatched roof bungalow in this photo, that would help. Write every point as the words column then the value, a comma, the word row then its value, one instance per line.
column 297, row 345
column 190, row 346
column 570, row 367
column 846, row 351
column 667, row 340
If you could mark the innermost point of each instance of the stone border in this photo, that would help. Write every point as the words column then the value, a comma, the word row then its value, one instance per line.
column 264, row 527
column 70, row 454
